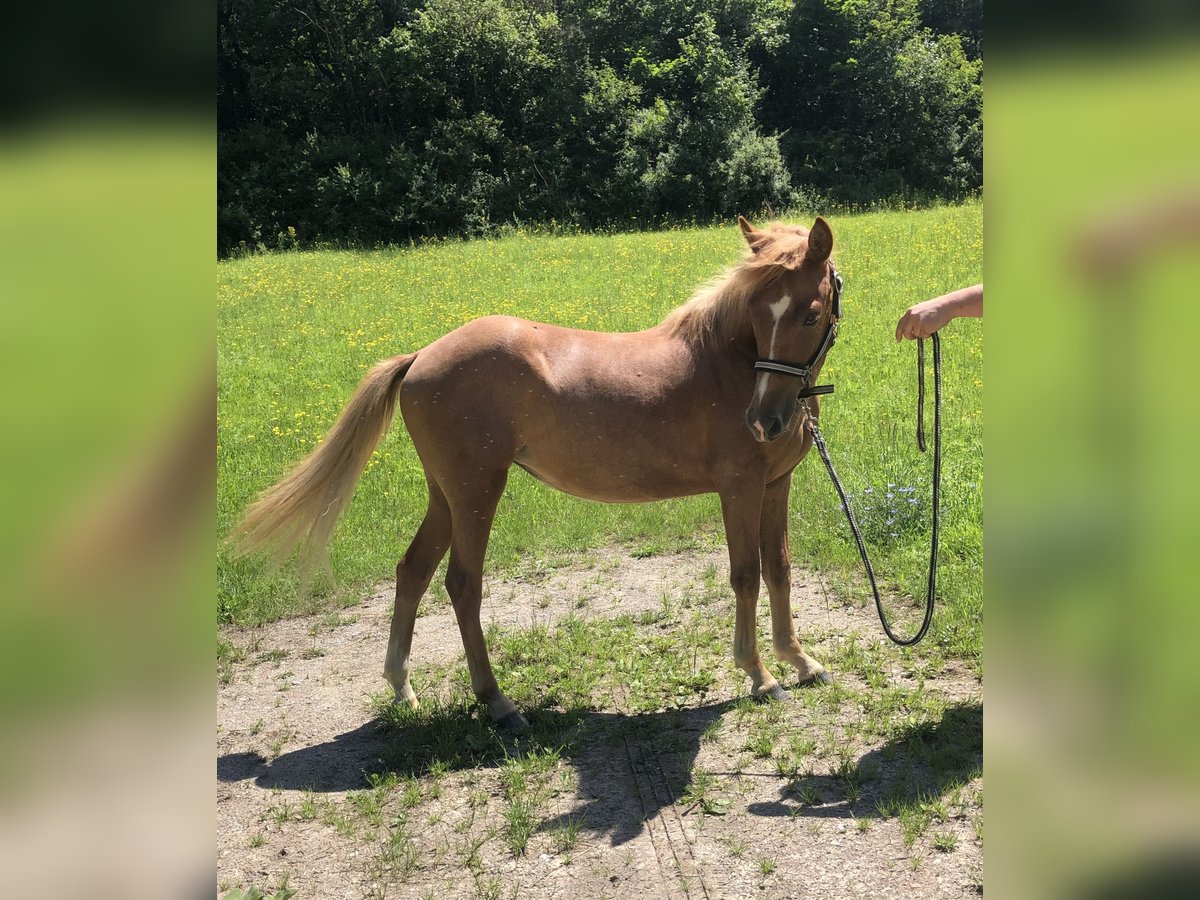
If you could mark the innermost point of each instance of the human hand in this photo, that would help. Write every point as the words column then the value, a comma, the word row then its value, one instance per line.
column 923, row 319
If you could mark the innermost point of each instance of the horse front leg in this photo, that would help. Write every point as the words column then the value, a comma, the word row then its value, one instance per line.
column 777, row 572
column 742, row 512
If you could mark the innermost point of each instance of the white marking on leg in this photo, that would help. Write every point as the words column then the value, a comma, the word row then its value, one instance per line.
column 395, row 670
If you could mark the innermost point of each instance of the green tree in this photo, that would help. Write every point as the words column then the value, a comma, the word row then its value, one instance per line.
column 385, row 120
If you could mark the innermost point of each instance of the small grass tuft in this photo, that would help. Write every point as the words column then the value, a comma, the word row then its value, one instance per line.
column 737, row 846
column 566, row 834
column 519, row 821
column 945, row 841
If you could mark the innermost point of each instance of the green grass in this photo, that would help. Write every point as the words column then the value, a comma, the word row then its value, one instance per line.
column 297, row 331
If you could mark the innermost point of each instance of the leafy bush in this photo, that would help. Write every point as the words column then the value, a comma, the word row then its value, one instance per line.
column 353, row 121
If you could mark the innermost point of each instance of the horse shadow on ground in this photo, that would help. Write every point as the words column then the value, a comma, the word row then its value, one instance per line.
column 920, row 763
column 629, row 766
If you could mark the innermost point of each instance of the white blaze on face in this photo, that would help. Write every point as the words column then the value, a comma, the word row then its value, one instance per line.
column 778, row 309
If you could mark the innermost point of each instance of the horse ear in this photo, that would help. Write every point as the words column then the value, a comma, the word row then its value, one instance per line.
column 751, row 234
column 820, row 241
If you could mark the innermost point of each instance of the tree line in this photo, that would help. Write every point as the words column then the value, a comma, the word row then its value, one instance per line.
column 383, row 121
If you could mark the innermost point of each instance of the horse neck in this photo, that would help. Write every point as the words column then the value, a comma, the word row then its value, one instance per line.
column 742, row 345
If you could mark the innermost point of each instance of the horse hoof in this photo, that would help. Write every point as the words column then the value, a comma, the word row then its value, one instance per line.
column 777, row 693
column 514, row 721
column 822, row 677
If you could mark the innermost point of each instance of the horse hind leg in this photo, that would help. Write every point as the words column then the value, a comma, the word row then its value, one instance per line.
column 472, row 509
column 413, row 574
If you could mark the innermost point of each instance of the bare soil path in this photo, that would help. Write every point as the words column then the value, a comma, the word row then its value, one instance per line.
column 847, row 797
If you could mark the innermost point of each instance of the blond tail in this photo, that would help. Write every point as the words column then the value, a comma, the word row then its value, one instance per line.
column 303, row 508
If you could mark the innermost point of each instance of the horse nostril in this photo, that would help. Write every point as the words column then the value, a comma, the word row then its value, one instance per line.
column 774, row 427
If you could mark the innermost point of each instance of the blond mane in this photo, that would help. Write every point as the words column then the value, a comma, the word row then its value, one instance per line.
column 717, row 310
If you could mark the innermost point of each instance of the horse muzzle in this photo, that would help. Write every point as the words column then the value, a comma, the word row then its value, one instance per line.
column 768, row 425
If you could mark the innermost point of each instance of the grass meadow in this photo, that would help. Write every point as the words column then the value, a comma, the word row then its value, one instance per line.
column 296, row 331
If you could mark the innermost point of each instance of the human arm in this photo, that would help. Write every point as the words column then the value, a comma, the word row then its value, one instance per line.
column 923, row 319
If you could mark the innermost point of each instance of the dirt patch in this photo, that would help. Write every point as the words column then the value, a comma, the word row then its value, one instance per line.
column 669, row 802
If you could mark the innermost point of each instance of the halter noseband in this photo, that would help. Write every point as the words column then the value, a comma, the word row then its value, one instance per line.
column 827, row 342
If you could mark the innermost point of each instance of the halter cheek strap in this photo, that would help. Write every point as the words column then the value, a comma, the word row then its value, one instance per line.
column 805, row 372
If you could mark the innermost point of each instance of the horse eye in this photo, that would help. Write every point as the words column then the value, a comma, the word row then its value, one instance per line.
column 811, row 318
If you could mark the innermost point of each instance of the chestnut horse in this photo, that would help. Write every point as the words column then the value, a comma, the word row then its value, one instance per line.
column 676, row 410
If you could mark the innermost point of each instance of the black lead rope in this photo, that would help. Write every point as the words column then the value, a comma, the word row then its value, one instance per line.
column 937, row 480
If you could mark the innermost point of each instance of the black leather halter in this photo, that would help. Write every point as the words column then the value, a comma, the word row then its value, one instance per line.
column 805, row 371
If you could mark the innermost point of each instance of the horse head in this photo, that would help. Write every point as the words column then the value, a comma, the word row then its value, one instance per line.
column 793, row 312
